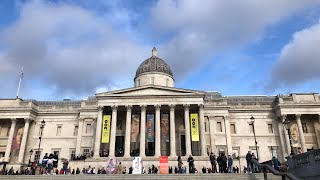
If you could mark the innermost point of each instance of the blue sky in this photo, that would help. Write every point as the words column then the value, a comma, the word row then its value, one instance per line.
column 74, row 49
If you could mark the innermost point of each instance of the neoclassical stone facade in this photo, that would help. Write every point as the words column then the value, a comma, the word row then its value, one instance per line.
column 75, row 128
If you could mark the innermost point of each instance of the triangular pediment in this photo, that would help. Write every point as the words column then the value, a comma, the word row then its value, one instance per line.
column 151, row 91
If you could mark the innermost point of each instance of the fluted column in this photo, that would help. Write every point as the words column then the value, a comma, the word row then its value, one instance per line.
column 228, row 134
column 282, row 143
column 79, row 137
column 202, row 131
column 157, row 145
column 143, row 131
column 286, row 135
column 24, row 140
column 187, row 129
column 128, row 132
column 301, row 135
column 172, row 131
column 113, row 131
column 9, row 144
column 98, row 133
column 212, row 132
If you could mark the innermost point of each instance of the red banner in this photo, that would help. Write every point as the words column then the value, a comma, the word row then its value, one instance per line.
column 164, row 165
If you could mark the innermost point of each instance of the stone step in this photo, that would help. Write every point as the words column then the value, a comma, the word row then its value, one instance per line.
column 146, row 177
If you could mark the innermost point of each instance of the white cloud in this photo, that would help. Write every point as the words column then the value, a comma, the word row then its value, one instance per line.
column 299, row 61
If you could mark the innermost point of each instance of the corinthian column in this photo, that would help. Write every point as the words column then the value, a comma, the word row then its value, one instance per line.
column 80, row 127
column 172, row 131
column 202, row 131
column 158, row 147
column 128, row 132
column 143, row 131
column 98, row 133
column 302, row 140
column 113, row 131
column 9, row 144
column 228, row 134
column 187, row 129
column 24, row 140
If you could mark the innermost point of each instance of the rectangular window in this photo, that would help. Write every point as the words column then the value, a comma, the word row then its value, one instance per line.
column 75, row 132
column 86, row 152
column 37, row 156
column 72, row 154
column 205, row 126
column 304, row 127
column 251, row 128
column 89, row 128
column 273, row 151
column 233, row 129
column 8, row 132
column 219, row 127
column 57, row 152
column 59, row 127
column 270, row 129
column 235, row 153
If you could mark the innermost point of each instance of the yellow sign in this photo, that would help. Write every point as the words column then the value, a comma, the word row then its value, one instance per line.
column 106, row 129
column 194, row 127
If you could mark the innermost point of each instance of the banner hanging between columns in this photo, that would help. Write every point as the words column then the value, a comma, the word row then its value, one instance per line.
column 106, row 129
column 194, row 127
column 150, row 128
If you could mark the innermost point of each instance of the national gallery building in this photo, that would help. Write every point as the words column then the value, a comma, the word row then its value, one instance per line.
column 154, row 118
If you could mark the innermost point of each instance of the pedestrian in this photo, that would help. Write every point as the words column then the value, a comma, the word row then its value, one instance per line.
column 191, row 164
column 179, row 164
column 248, row 158
column 220, row 162
column 65, row 166
column 224, row 161
column 230, row 162
column 119, row 168
column 253, row 166
column 275, row 163
column 213, row 162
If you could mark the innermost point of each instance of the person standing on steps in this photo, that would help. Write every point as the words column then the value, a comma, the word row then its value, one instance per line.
column 191, row 164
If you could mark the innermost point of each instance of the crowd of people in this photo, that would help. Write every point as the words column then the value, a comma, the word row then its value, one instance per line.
column 219, row 164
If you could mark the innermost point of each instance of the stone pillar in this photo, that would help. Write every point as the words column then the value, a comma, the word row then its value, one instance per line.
column 79, row 137
column 212, row 132
column 228, row 134
column 143, row 131
column 202, row 131
column 128, row 132
column 282, row 143
column 113, row 131
column 286, row 135
column 187, row 129
column 158, row 132
column 24, row 140
column 172, row 131
column 317, row 130
column 98, row 133
column 9, row 144
column 301, row 135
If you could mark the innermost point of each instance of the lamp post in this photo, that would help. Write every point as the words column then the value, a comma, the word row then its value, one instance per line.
column 41, row 129
column 30, row 153
column 254, row 134
column 286, row 123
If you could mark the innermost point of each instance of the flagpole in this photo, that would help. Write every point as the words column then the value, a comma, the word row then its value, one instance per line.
column 19, row 82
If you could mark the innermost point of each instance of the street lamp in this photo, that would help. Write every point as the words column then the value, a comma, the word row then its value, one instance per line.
column 254, row 134
column 30, row 153
column 286, row 123
column 41, row 129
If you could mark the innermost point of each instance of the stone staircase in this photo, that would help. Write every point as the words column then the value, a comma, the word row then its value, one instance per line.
column 147, row 177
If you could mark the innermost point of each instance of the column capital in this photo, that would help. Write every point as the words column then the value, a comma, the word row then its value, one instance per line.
column 129, row 107
column 211, row 117
column 157, row 106
column 282, row 117
column 100, row 108
column 298, row 116
column 94, row 119
column 172, row 107
column 186, row 106
column 143, row 107
column 80, row 119
column 226, row 117
column 114, row 108
column 201, row 106
column 13, row 120
column 27, row 120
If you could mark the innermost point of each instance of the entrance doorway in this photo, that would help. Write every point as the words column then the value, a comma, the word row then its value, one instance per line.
column 119, row 146
column 183, row 145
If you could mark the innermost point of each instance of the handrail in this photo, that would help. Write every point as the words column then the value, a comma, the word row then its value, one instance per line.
column 274, row 171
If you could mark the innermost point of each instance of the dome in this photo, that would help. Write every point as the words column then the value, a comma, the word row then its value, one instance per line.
column 154, row 65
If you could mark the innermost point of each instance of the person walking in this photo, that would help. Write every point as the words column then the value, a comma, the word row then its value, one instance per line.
column 253, row 166
column 213, row 162
column 275, row 163
column 65, row 167
column 230, row 162
column 224, row 161
column 191, row 164
column 248, row 158
column 179, row 164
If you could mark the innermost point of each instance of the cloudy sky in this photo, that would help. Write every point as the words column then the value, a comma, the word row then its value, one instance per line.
column 74, row 49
